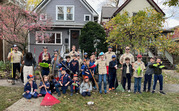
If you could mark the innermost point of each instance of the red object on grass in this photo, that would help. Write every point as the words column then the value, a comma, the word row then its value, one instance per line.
column 49, row 100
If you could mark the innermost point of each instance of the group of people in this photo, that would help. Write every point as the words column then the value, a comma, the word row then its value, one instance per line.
column 80, row 74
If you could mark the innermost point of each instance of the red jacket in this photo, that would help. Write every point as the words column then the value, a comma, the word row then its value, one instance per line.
column 40, row 57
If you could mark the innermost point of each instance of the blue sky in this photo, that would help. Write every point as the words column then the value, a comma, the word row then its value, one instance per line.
column 172, row 13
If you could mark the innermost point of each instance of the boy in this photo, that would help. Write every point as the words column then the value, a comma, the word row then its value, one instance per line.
column 74, row 65
column 55, row 63
column 67, row 63
column 75, row 84
column 158, row 66
column 46, row 70
column 63, row 82
column 30, row 88
column 138, row 73
column 102, row 71
column 127, row 72
column 148, row 75
column 112, row 72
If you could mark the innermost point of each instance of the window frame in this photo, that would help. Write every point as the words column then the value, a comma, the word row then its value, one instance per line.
column 85, row 17
column 55, row 38
column 65, row 12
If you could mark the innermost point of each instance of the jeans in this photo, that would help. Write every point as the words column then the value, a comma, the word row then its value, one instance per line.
column 147, row 80
column 76, row 89
column 137, row 84
column 86, row 93
column 160, row 78
column 104, row 81
column 112, row 80
column 64, row 88
column 128, row 77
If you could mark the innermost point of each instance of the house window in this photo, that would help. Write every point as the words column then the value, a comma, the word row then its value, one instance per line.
column 43, row 16
column 87, row 17
column 65, row 13
column 134, row 14
column 48, row 37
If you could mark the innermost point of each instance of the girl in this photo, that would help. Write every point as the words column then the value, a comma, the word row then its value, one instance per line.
column 43, row 86
column 86, row 87
column 28, row 62
column 30, row 88
column 52, row 81
column 46, row 70
column 138, row 73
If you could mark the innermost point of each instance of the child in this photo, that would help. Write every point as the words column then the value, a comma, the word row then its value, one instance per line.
column 46, row 70
column 86, row 87
column 43, row 86
column 67, row 63
column 75, row 84
column 88, row 72
column 55, row 64
column 138, row 73
column 158, row 66
column 74, row 65
column 148, row 75
column 30, row 88
column 102, row 72
column 80, row 61
column 52, row 81
column 127, row 72
column 112, row 72
column 63, row 82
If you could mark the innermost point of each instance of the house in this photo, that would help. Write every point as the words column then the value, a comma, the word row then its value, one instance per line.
column 68, row 18
column 4, row 46
column 107, row 13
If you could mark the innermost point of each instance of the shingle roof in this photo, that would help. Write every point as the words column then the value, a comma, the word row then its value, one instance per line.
column 107, row 12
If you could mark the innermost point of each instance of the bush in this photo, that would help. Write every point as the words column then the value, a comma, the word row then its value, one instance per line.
column 177, row 67
column 5, row 66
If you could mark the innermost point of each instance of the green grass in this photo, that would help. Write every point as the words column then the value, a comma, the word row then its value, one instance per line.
column 9, row 95
column 119, row 102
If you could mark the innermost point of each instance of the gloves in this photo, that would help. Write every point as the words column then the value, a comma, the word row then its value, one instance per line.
column 161, row 66
column 155, row 65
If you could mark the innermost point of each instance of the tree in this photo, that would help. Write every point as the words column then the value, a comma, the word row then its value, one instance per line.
column 16, row 24
column 92, row 37
column 137, row 31
column 172, row 3
column 115, row 2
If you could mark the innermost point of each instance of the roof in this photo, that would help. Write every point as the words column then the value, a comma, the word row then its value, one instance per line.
column 43, row 3
column 107, row 12
column 151, row 2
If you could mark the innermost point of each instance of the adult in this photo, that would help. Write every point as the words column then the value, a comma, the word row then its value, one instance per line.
column 73, row 52
column 28, row 62
column 108, row 57
column 15, row 57
column 44, row 52
column 125, row 55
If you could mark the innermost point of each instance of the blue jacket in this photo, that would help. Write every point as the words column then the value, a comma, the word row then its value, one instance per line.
column 42, row 90
column 112, row 69
column 86, row 69
column 65, row 79
column 82, row 69
column 27, row 86
column 91, row 64
column 74, row 66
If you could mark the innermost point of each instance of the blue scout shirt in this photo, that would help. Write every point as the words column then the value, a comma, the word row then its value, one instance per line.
column 65, row 78
column 74, row 66
column 27, row 86
column 42, row 90
column 87, row 70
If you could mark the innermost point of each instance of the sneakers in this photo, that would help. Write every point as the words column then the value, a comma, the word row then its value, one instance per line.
column 113, row 88
column 13, row 82
column 110, row 89
column 162, row 92
column 129, row 91
column 153, row 91
column 59, row 94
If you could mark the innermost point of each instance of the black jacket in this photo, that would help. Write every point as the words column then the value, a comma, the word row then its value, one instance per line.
column 112, row 69
column 125, row 68
column 157, row 68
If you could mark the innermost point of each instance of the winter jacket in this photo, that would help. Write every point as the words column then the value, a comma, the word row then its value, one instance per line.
column 112, row 69
column 149, row 70
column 157, row 68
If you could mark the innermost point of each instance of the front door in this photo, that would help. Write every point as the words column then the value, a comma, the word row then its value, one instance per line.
column 75, row 38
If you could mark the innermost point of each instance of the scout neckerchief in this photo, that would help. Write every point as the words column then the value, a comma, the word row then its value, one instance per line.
column 74, row 85
column 62, row 78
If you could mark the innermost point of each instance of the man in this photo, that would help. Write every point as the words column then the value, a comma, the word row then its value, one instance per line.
column 73, row 51
column 108, row 57
column 16, row 60
column 125, row 55
column 41, row 56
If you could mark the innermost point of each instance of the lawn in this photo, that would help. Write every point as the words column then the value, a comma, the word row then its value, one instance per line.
column 119, row 102
column 9, row 95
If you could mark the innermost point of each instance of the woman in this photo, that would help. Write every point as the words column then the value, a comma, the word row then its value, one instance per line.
column 28, row 62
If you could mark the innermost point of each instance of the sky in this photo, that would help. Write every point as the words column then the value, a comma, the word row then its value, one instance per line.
column 172, row 13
